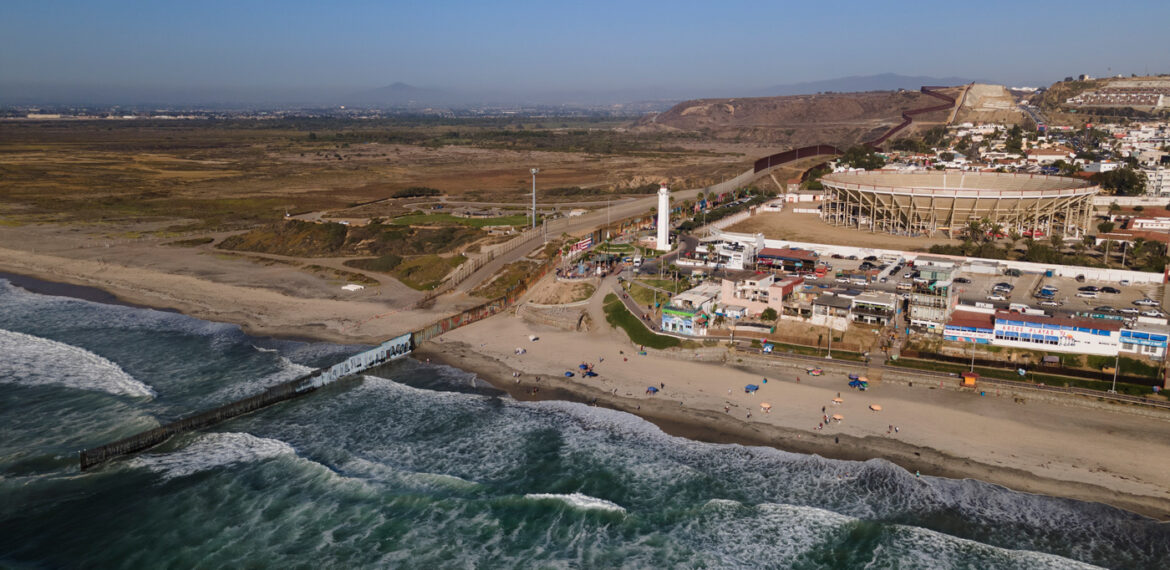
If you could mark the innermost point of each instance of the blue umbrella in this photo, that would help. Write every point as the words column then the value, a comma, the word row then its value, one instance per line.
column 652, row 390
column 568, row 374
column 750, row 388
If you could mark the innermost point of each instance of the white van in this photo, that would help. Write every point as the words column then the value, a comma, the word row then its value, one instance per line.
column 637, row 261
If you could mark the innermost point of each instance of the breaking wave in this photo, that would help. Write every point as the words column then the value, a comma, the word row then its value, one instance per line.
column 32, row 360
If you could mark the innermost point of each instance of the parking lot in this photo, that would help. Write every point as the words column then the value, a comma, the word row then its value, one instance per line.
column 979, row 287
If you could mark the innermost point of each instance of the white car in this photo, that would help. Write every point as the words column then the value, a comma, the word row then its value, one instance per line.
column 1155, row 314
column 1087, row 295
column 1125, row 283
column 1146, row 303
column 1128, row 311
column 996, row 298
column 1049, row 303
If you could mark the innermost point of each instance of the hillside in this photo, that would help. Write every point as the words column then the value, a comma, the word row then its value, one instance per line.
column 984, row 103
column 831, row 118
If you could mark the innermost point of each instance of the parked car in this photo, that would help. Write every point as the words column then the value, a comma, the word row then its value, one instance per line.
column 1005, row 285
column 871, row 258
column 1146, row 303
column 1110, row 290
column 1125, row 283
column 1049, row 303
column 1087, row 294
column 996, row 298
column 1080, row 278
column 837, row 256
column 1105, row 309
column 906, row 275
column 962, row 280
column 1155, row 314
column 1129, row 311
column 1089, row 288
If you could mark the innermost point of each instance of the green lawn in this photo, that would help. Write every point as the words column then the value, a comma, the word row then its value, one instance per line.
column 617, row 315
column 448, row 219
column 643, row 295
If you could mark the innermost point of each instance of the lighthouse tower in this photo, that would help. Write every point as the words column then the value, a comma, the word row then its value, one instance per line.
column 663, row 219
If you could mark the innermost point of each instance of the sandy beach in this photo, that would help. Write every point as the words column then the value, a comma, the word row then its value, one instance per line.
column 1048, row 447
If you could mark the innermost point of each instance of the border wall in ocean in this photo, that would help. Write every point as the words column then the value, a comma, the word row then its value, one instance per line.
column 392, row 349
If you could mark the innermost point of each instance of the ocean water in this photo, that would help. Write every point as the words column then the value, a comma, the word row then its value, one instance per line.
column 424, row 466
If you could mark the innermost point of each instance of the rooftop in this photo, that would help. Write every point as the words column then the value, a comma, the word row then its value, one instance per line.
column 1099, row 324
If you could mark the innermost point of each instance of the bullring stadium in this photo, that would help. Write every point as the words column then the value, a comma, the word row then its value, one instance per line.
column 928, row 202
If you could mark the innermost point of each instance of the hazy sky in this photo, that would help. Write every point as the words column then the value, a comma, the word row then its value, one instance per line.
column 589, row 45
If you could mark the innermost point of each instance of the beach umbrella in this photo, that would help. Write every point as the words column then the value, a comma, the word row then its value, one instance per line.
column 875, row 407
column 652, row 390
column 568, row 374
column 750, row 388
column 837, row 400
column 838, row 417
column 582, row 366
column 766, row 405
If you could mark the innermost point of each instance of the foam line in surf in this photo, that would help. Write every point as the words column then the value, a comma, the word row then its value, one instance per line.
column 213, row 450
column 579, row 501
column 33, row 360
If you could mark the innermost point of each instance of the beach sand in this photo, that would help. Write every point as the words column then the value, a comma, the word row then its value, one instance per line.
column 1047, row 447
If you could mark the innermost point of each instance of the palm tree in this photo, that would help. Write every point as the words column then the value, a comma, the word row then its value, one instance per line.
column 975, row 230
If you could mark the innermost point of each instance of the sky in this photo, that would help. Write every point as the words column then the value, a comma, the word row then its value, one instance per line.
column 601, row 45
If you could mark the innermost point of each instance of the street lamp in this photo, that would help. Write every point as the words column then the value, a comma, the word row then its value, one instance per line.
column 534, row 171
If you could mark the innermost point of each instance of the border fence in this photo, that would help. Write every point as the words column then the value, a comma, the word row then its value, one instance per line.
column 392, row 349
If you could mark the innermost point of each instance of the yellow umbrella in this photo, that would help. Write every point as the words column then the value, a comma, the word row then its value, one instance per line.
column 766, row 405
column 837, row 400
column 875, row 407
column 838, row 417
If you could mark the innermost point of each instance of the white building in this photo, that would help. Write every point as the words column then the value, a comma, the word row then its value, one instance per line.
column 663, row 219
column 1157, row 181
column 1104, row 166
column 1150, row 224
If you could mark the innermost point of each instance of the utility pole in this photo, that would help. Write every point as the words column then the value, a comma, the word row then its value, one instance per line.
column 829, row 356
column 1116, row 365
column 534, row 171
column 972, row 356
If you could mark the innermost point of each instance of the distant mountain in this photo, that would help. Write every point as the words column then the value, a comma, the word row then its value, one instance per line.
column 860, row 83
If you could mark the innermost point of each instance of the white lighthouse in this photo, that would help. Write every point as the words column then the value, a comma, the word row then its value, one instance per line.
column 663, row 219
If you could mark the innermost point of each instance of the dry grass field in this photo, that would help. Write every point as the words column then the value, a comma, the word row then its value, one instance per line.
column 206, row 176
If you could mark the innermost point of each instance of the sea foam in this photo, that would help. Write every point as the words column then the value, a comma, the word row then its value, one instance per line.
column 32, row 360
column 210, row 451
column 579, row 501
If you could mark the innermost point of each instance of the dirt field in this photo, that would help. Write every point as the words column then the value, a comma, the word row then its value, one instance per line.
column 810, row 228
column 557, row 292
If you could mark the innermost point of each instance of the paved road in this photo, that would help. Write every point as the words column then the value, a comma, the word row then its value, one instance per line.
column 583, row 224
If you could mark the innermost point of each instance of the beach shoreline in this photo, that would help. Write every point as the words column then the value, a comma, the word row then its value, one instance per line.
column 714, row 427
column 700, row 417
